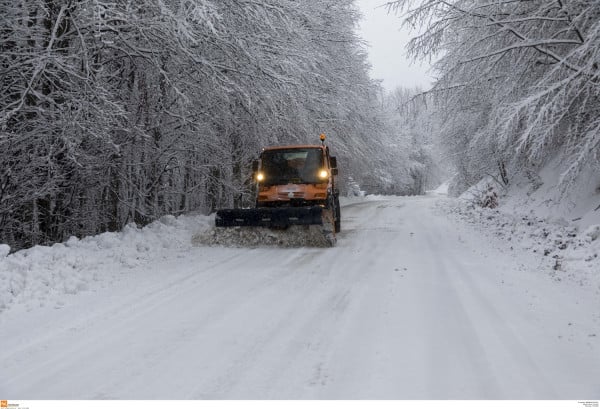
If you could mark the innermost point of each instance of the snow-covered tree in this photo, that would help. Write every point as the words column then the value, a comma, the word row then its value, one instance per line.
column 518, row 82
column 413, row 139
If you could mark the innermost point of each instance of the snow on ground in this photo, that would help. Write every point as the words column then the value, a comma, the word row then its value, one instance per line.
column 565, row 251
column 43, row 275
column 412, row 303
column 539, row 217
column 293, row 236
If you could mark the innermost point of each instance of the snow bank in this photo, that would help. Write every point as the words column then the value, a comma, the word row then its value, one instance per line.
column 534, row 213
column 567, row 251
column 43, row 274
column 544, row 197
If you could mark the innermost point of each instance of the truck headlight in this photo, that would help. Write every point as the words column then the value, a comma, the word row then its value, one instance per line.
column 323, row 174
column 260, row 176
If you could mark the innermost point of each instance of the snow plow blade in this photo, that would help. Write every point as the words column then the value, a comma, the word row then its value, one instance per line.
column 308, row 226
column 278, row 217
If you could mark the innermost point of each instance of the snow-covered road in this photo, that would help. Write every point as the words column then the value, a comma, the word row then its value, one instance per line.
column 409, row 305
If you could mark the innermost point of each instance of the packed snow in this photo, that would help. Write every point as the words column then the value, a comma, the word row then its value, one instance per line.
column 242, row 236
column 422, row 298
column 43, row 275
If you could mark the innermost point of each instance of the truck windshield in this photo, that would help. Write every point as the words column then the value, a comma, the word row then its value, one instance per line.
column 283, row 166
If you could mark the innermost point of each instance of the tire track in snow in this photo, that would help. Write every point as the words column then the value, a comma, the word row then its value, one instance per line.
column 220, row 317
column 494, row 360
column 307, row 329
column 300, row 341
column 459, row 362
column 123, row 322
column 506, row 358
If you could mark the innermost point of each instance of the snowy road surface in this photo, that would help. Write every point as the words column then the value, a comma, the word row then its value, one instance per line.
column 409, row 305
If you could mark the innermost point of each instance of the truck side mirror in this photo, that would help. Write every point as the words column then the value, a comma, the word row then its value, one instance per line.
column 254, row 165
column 334, row 171
column 333, row 161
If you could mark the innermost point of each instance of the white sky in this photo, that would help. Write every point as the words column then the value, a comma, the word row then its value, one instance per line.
column 387, row 40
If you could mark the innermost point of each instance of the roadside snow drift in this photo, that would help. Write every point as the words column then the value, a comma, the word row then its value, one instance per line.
column 42, row 274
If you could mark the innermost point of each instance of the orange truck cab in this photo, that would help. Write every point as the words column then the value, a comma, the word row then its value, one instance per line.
column 302, row 175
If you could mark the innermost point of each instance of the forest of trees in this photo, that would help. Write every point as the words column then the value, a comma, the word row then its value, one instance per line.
column 121, row 111
column 518, row 86
column 414, row 138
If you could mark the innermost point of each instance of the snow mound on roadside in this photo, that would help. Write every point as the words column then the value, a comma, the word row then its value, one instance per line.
column 293, row 236
column 44, row 274
column 567, row 252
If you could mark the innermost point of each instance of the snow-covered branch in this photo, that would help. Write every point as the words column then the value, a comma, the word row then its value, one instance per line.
column 519, row 81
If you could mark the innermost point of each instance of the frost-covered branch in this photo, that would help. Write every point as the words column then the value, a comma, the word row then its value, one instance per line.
column 519, row 81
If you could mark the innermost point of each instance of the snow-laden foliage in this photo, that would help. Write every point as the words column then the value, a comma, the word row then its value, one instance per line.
column 114, row 112
column 412, row 137
column 519, row 84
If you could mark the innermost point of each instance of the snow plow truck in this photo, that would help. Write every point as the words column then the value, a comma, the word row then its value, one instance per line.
column 295, row 186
